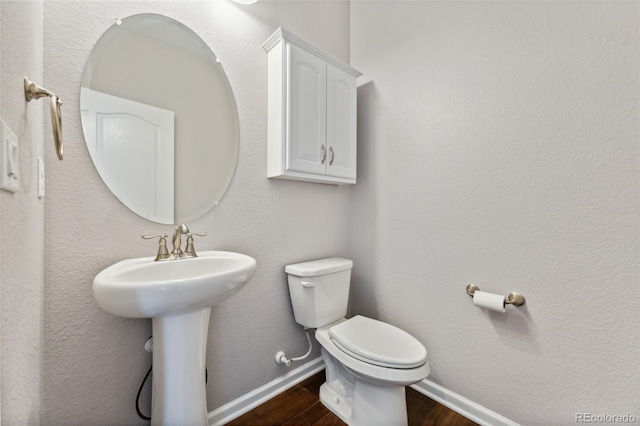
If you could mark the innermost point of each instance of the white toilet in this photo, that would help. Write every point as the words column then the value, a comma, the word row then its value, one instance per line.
column 368, row 362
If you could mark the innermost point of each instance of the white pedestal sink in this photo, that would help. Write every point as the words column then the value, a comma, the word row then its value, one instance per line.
column 177, row 295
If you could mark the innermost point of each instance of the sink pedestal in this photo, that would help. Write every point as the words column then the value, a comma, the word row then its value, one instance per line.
column 179, row 354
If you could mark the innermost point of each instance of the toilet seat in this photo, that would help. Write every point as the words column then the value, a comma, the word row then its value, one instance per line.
column 382, row 375
column 378, row 343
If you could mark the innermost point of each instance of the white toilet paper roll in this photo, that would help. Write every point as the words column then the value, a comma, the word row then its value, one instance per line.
column 493, row 302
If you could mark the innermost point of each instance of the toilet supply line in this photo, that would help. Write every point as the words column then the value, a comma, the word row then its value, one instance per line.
column 281, row 357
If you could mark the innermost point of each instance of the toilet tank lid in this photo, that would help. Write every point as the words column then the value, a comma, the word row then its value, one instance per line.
column 315, row 268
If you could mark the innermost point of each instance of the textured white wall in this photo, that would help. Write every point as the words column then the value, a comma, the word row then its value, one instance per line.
column 1, row 229
column 22, row 219
column 498, row 144
column 94, row 361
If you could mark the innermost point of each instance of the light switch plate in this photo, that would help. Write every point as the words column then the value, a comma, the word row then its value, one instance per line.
column 9, row 159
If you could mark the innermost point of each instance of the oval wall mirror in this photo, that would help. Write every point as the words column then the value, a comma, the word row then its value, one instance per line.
column 159, row 119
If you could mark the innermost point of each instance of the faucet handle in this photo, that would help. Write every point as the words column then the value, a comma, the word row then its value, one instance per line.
column 163, row 253
column 190, row 251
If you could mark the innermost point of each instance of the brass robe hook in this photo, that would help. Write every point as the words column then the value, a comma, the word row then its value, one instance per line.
column 33, row 91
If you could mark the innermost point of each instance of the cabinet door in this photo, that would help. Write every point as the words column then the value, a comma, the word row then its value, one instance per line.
column 341, row 123
column 306, row 112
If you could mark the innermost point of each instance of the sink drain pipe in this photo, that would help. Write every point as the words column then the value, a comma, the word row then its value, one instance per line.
column 281, row 357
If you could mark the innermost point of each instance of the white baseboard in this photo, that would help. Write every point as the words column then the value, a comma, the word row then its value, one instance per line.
column 245, row 403
column 444, row 396
column 462, row 405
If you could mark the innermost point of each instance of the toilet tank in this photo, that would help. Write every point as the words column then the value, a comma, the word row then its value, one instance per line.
column 319, row 290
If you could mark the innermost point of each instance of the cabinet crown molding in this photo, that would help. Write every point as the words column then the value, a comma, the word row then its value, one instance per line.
column 283, row 34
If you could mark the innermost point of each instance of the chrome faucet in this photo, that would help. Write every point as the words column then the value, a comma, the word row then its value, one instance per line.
column 177, row 240
column 176, row 253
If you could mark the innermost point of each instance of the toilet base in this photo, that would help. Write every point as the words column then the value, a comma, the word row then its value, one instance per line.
column 368, row 406
column 359, row 401
column 339, row 405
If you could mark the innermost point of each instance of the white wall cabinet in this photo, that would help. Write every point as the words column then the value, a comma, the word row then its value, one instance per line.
column 312, row 113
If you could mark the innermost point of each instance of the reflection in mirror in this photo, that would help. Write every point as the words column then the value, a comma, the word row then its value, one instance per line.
column 159, row 119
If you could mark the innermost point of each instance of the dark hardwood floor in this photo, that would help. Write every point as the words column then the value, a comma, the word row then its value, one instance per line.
column 301, row 406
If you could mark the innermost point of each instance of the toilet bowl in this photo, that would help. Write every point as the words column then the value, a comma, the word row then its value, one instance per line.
column 368, row 362
column 366, row 382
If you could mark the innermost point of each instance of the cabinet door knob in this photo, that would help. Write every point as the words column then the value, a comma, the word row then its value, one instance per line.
column 324, row 154
column 333, row 155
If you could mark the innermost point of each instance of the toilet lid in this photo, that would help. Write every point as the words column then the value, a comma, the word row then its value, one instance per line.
column 378, row 343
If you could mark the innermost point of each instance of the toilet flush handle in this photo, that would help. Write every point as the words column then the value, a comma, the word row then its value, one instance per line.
column 307, row 284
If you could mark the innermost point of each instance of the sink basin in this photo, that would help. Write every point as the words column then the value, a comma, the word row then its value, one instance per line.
column 143, row 288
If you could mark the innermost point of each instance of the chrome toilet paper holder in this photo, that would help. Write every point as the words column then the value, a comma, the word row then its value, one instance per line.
column 513, row 298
